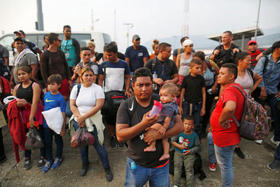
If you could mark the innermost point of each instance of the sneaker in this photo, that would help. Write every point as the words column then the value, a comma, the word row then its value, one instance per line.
column 239, row 153
column 27, row 164
column 274, row 164
column 212, row 167
column 259, row 142
column 109, row 174
column 274, row 142
column 113, row 142
column 84, row 169
column 57, row 162
column 41, row 162
column 47, row 166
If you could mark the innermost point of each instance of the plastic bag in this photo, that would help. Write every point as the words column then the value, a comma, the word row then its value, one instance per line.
column 81, row 138
column 33, row 139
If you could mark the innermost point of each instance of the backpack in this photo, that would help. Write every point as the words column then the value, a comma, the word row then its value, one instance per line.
column 5, row 88
column 4, row 70
column 254, row 123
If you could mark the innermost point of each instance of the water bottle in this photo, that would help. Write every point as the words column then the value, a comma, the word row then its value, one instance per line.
column 133, row 165
column 157, row 107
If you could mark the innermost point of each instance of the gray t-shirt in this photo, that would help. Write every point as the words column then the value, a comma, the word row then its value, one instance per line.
column 26, row 60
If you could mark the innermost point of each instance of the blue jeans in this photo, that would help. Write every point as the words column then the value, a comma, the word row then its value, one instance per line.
column 100, row 149
column 277, row 153
column 48, row 133
column 211, row 150
column 157, row 177
column 224, row 157
column 196, row 108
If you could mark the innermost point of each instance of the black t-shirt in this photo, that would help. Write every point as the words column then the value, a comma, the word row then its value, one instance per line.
column 225, row 56
column 193, row 88
column 164, row 69
column 131, row 113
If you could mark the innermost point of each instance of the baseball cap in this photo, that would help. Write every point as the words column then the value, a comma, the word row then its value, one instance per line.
column 20, row 39
column 187, row 42
column 19, row 32
column 252, row 42
column 135, row 37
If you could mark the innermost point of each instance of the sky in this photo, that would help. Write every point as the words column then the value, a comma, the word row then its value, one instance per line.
column 150, row 18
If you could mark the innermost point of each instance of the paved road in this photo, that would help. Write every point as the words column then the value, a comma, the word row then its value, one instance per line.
column 249, row 172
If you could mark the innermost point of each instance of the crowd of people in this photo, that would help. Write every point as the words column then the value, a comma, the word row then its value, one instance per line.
column 94, row 90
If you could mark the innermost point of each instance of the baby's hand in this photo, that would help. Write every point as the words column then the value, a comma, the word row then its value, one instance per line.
column 162, row 130
column 187, row 152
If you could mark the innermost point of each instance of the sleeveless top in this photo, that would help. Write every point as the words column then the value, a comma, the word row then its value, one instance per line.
column 246, row 82
column 25, row 93
column 184, row 65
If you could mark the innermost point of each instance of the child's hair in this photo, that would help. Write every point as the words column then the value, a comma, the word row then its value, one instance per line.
column 171, row 88
column 188, row 117
column 155, row 43
column 26, row 69
column 200, row 55
column 55, row 78
column 195, row 61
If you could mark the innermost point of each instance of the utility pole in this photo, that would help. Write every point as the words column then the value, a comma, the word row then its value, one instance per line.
column 39, row 24
column 128, row 26
column 187, row 17
column 115, row 25
column 258, row 17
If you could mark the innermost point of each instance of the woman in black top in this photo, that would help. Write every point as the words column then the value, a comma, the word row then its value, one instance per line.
column 28, row 101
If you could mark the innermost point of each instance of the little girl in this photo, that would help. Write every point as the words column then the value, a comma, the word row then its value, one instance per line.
column 28, row 101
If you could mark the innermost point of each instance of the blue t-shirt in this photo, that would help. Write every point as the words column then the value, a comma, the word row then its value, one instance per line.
column 136, row 57
column 188, row 139
column 68, row 48
column 115, row 72
column 53, row 101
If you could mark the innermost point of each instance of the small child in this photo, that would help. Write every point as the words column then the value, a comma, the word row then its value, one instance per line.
column 186, row 145
column 194, row 95
column 168, row 93
column 53, row 99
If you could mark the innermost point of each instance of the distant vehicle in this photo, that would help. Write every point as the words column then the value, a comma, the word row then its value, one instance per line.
column 100, row 39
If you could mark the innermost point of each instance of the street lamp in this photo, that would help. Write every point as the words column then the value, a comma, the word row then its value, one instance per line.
column 128, row 26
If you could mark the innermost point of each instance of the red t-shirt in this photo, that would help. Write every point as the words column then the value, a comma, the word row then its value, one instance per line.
column 226, row 137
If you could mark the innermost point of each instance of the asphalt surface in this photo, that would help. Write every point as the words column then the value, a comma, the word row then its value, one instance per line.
column 249, row 172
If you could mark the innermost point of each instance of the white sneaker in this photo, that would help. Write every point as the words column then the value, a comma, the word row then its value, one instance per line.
column 274, row 142
column 259, row 141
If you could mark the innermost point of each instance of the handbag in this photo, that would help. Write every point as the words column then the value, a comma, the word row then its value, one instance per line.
column 33, row 139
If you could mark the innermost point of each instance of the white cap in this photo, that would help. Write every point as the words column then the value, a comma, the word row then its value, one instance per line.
column 187, row 42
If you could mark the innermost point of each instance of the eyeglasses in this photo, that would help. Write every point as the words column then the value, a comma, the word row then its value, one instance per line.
column 252, row 44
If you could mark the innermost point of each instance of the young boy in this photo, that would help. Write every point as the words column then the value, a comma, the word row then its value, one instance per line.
column 168, row 93
column 186, row 145
column 53, row 99
column 194, row 95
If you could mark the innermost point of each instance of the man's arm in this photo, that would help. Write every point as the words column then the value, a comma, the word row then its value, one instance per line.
column 127, row 61
column 203, row 101
column 153, row 135
column 174, row 79
column 124, row 132
column 227, row 113
column 44, row 67
column 145, row 59
column 127, row 85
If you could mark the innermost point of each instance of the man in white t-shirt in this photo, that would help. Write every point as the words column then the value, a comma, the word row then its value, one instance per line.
column 113, row 75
